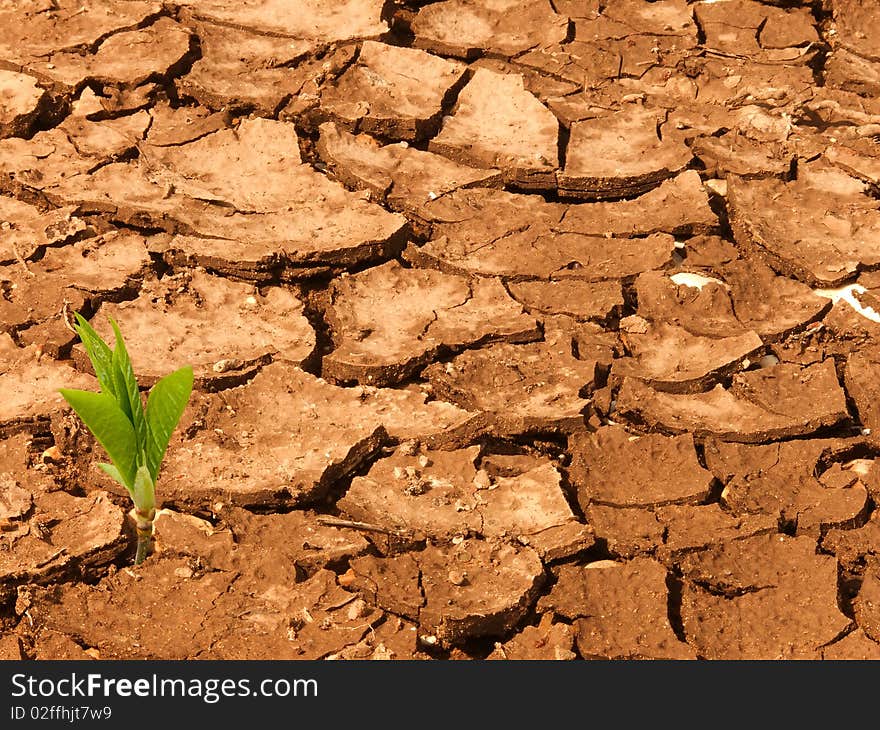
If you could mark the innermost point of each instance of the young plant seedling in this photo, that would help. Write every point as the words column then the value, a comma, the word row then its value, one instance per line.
column 135, row 439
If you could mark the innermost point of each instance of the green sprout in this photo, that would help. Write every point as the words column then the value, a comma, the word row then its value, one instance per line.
column 135, row 439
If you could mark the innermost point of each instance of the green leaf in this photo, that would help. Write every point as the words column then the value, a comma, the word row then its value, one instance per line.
column 99, row 353
column 113, row 472
column 103, row 417
column 165, row 405
column 128, row 395
column 144, row 492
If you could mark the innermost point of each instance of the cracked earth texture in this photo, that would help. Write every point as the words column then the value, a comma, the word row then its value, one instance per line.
column 522, row 329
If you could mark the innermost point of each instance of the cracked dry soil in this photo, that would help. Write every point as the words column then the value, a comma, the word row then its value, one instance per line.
column 503, row 315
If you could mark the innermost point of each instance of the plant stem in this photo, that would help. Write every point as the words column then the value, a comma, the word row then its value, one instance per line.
column 143, row 544
column 144, row 534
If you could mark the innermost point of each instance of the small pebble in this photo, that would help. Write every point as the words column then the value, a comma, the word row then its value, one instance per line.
column 53, row 453
column 457, row 577
column 357, row 609
column 482, row 480
column 408, row 448
column 347, row 579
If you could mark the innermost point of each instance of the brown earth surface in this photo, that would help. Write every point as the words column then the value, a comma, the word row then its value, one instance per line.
column 522, row 329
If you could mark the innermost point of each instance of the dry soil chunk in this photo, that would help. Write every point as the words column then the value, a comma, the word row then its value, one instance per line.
column 625, row 41
column 287, row 436
column 469, row 28
column 772, row 597
column 737, row 83
column 74, row 275
column 404, row 177
column 612, row 467
column 867, row 602
column 274, row 211
column 178, row 533
column 862, row 385
column 344, row 20
column 30, row 32
column 21, row 101
column 761, row 405
column 122, row 621
column 442, row 494
column 12, row 650
column 626, row 532
column 485, row 214
column 540, row 254
column 821, row 228
column 857, row 157
column 619, row 155
column 749, row 298
column 689, row 528
column 805, row 456
column 620, row 610
column 476, row 588
column 77, row 531
column 171, row 126
column 278, row 542
column 391, row 92
column 852, row 546
column 764, row 561
column 220, row 327
column 537, row 387
column 672, row 359
column 750, row 28
column 20, row 483
column 243, row 69
column 733, row 153
column 30, row 383
column 130, row 58
column 699, row 304
column 498, row 124
column 26, row 230
column 408, row 415
column 394, row 638
column 680, row 206
column 851, row 72
column 547, row 640
column 103, row 139
column 54, row 646
column 852, row 19
column 280, row 619
column 263, row 153
column 391, row 583
column 582, row 300
column 855, row 646
column 241, row 449
column 770, row 305
column 389, row 321
column 778, row 480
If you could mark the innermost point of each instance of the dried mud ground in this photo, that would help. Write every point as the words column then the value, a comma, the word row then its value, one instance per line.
column 521, row 328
